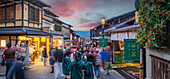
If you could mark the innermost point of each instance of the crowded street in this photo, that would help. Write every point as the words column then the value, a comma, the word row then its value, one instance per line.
column 43, row 72
column 84, row 39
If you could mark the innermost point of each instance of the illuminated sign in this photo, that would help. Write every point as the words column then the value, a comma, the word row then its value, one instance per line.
column 3, row 43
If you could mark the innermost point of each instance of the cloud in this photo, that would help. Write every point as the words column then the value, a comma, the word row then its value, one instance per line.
column 86, row 27
column 67, row 8
column 86, row 14
column 94, row 19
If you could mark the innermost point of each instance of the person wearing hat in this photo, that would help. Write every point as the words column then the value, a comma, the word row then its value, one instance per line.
column 45, row 56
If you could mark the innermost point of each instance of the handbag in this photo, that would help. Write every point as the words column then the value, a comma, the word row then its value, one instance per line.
column 94, row 73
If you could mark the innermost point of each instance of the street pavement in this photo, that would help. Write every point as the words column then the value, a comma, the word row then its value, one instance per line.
column 131, row 72
column 38, row 71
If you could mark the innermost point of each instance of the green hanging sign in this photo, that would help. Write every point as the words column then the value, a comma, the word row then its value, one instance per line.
column 131, row 50
column 103, row 42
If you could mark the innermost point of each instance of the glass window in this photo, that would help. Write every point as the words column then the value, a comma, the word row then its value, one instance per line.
column 33, row 14
column 2, row 13
column 36, row 16
column 10, row 12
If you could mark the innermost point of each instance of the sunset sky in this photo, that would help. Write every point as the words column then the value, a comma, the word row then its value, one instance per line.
column 86, row 14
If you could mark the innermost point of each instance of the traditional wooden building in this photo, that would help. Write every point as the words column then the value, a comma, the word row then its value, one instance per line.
column 56, row 38
column 60, row 32
column 23, row 19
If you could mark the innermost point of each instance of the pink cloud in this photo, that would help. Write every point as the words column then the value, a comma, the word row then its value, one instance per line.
column 87, row 26
column 66, row 8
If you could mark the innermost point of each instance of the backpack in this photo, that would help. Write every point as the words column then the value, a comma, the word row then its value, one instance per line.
column 98, row 60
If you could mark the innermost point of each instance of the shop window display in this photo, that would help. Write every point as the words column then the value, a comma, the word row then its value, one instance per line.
column 22, row 51
column 33, row 51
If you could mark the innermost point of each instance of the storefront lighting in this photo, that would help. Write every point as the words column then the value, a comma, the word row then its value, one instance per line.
column 60, row 41
column 75, row 37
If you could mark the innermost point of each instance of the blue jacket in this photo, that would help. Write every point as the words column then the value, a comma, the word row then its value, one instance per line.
column 105, row 56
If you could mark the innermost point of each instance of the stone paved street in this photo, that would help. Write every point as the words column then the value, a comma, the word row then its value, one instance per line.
column 38, row 71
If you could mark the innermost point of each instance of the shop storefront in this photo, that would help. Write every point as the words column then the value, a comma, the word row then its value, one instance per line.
column 31, row 45
column 36, row 44
column 57, row 41
column 118, row 40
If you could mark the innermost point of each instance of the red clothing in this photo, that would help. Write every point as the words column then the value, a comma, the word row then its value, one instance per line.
column 93, row 54
column 73, row 50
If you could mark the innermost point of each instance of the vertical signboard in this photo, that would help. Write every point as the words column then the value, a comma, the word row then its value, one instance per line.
column 103, row 42
column 131, row 50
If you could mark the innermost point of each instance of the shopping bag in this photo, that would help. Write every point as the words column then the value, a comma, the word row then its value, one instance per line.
column 40, row 56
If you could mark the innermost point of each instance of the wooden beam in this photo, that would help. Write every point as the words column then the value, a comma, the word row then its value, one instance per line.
column 14, row 14
column 23, row 2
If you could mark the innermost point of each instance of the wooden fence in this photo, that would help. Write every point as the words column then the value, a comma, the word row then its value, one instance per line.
column 160, row 68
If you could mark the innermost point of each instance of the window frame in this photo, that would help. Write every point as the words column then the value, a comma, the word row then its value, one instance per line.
column 33, row 16
column 5, row 15
column 2, row 16
column 8, row 15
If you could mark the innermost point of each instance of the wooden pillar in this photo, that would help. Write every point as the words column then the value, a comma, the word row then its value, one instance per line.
column 113, row 42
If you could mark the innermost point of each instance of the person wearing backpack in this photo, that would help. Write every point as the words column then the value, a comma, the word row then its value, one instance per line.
column 89, row 71
column 76, row 67
column 66, row 61
column 97, row 64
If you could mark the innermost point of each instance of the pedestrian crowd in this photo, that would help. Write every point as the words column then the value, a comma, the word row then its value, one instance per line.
column 80, row 62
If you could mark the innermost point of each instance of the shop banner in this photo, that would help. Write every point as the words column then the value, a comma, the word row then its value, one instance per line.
column 131, row 50
column 103, row 42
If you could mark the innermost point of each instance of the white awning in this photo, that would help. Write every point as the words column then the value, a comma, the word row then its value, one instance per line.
column 122, row 36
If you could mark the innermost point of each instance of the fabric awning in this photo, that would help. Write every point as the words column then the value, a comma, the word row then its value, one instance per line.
column 122, row 36
column 97, row 38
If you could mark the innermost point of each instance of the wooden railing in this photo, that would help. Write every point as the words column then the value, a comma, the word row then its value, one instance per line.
column 160, row 68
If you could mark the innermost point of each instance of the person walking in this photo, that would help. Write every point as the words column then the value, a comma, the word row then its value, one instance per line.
column 10, row 59
column 106, row 60
column 58, row 55
column 51, row 59
column 89, row 71
column 97, row 64
column 66, row 61
column 76, row 67
column 45, row 56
